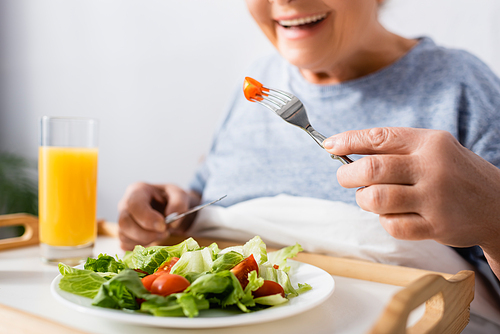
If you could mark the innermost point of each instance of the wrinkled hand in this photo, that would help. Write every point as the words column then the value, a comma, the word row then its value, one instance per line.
column 143, row 209
column 423, row 184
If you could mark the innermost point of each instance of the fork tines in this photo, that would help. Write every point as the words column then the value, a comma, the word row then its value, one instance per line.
column 273, row 99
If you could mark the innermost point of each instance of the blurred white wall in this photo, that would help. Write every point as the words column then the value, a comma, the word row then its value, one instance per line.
column 158, row 73
column 472, row 25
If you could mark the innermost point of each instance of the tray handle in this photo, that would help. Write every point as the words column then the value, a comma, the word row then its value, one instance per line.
column 30, row 235
column 447, row 305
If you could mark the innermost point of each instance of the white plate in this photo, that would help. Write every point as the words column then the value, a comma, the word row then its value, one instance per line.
column 321, row 282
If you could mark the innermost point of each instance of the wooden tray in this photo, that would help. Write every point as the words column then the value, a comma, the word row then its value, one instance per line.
column 447, row 297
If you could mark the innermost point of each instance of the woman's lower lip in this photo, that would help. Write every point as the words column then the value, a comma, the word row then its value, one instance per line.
column 299, row 32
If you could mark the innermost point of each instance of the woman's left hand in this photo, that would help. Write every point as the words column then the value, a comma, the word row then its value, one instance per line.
column 424, row 185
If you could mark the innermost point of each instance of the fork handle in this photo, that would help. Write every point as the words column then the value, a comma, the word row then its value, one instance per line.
column 343, row 158
column 319, row 138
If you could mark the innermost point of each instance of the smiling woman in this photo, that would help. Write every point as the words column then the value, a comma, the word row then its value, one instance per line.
column 349, row 71
column 354, row 77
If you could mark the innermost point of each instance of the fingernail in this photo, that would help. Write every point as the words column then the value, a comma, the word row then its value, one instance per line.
column 329, row 143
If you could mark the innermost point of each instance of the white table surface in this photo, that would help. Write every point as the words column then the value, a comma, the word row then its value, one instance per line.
column 25, row 284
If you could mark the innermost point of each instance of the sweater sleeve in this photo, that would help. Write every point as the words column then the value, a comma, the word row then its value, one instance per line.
column 479, row 110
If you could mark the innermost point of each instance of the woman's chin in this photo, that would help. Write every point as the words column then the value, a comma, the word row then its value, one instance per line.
column 299, row 58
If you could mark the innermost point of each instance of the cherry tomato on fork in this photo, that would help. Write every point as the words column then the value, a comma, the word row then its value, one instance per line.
column 253, row 90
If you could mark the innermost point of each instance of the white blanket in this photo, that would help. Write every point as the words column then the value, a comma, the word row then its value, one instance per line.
column 336, row 229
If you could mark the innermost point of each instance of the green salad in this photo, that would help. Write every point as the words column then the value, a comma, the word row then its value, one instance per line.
column 184, row 279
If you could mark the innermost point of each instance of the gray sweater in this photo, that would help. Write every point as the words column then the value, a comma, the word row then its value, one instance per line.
column 256, row 154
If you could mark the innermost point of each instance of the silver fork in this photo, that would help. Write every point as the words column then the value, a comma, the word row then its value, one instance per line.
column 291, row 109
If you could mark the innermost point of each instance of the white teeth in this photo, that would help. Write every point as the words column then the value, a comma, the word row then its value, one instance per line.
column 302, row 20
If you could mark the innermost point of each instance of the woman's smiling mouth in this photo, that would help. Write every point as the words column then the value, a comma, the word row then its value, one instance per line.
column 302, row 22
column 296, row 28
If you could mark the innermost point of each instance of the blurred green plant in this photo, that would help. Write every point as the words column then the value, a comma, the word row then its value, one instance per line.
column 18, row 185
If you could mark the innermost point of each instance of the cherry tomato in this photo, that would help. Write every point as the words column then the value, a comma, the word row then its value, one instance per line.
column 242, row 269
column 148, row 280
column 166, row 284
column 269, row 288
column 253, row 89
column 167, row 266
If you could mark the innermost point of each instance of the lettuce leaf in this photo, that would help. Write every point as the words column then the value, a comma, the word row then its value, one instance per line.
column 178, row 250
column 150, row 258
column 105, row 263
column 215, row 250
column 279, row 257
column 211, row 285
column 175, row 305
column 120, row 292
column 254, row 282
column 147, row 259
column 235, row 295
column 197, row 261
column 254, row 246
column 271, row 300
column 221, row 288
column 257, row 247
column 124, row 289
column 84, row 283
column 303, row 288
column 226, row 261
column 268, row 272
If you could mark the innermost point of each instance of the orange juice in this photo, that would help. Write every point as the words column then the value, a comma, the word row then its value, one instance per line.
column 67, row 195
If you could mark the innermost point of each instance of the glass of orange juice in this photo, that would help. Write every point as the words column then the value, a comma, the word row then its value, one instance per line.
column 67, row 177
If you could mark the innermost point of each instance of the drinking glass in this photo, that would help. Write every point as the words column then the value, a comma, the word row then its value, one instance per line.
column 67, row 171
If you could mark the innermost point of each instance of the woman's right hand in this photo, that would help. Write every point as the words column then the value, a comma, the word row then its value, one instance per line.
column 143, row 209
